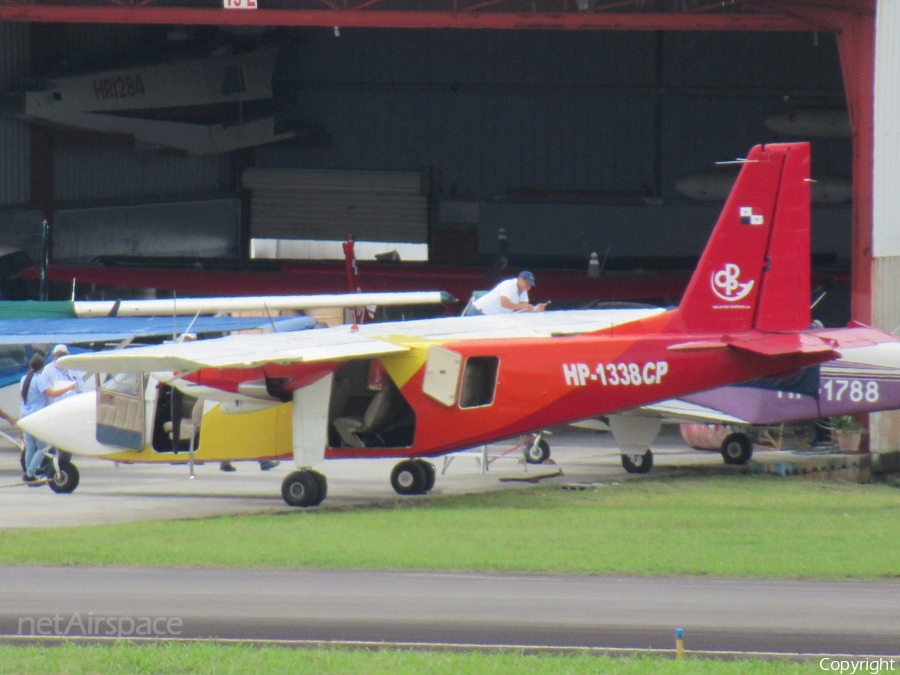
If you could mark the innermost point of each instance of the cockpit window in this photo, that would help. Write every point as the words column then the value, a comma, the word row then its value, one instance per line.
column 128, row 384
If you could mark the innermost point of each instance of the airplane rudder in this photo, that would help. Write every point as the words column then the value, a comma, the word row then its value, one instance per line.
column 784, row 303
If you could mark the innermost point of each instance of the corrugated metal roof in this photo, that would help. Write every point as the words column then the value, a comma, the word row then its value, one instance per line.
column 15, row 135
column 15, row 161
column 330, row 205
column 91, row 173
column 15, row 53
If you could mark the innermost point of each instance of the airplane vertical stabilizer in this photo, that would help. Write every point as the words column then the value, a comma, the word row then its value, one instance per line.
column 755, row 271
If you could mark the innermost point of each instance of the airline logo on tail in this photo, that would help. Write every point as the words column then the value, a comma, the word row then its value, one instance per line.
column 726, row 283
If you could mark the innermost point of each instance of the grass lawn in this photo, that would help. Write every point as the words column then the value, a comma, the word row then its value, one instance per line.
column 742, row 526
column 216, row 659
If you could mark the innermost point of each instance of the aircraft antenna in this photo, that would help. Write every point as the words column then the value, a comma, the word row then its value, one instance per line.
column 739, row 160
column 819, row 299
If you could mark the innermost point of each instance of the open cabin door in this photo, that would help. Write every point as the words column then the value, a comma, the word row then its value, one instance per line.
column 120, row 410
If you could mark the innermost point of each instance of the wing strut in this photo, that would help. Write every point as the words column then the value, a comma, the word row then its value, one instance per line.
column 310, row 422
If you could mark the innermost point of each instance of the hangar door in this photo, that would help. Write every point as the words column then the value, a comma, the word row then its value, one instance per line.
column 331, row 205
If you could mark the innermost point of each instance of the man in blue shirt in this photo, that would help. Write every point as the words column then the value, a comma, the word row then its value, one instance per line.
column 36, row 392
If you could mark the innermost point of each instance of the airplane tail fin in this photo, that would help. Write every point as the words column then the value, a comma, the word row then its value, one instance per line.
column 755, row 271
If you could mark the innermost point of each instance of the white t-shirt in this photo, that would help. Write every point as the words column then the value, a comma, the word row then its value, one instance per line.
column 489, row 303
column 53, row 374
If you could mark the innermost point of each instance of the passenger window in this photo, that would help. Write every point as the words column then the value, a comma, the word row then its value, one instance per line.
column 479, row 381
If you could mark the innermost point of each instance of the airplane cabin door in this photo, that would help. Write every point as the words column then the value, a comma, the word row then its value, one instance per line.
column 121, row 419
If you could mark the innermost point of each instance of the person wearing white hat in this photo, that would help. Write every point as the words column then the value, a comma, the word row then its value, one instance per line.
column 54, row 374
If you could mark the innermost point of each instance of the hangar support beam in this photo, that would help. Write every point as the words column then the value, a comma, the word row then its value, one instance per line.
column 301, row 15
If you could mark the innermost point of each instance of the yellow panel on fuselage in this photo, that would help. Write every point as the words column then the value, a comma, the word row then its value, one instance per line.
column 252, row 435
column 401, row 366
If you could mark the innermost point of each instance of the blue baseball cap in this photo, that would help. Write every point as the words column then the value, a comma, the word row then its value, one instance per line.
column 527, row 277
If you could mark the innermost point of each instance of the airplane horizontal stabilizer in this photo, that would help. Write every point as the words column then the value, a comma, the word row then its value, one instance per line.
column 677, row 410
column 784, row 345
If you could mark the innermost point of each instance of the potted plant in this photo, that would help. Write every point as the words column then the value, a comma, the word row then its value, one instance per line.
column 847, row 432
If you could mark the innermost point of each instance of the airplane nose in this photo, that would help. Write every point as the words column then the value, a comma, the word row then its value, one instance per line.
column 36, row 425
column 55, row 423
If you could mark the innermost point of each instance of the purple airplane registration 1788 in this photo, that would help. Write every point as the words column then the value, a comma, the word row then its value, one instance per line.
column 866, row 378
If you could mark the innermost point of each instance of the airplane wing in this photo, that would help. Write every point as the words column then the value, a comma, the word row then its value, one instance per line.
column 235, row 351
column 109, row 329
column 345, row 342
column 191, row 306
column 679, row 411
column 168, row 307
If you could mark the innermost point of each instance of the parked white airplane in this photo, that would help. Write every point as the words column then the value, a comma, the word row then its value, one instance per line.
column 83, row 322
column 200, row 107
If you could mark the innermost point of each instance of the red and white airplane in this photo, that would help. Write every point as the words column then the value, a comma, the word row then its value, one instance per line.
column 424, row 388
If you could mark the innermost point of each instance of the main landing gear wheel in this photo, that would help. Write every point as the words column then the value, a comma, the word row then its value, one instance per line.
column 304, row 488
column 736, row 449
column 411, row 477
column 322, row 484
column 537, row 453
column 66, row 479
column 638, row 463
column 430, row 474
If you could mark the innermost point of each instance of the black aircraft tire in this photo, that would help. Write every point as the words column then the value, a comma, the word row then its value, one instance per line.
column 736, row 449
column 538, row 453
column 409, row 478
column 322, row 485
column 66, row 479
column 300, row 488
column 430, row 475
column 638, row 463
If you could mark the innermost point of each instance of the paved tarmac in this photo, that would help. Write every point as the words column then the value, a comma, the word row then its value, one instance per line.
column 416, row 609
column 108, row 493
